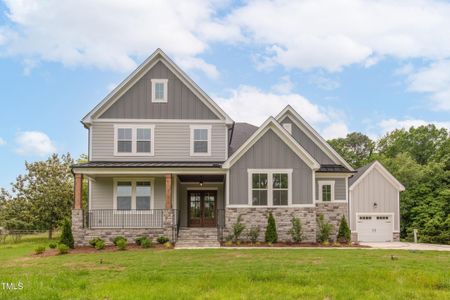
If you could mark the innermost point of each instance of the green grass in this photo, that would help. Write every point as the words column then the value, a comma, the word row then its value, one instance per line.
column 225, row 274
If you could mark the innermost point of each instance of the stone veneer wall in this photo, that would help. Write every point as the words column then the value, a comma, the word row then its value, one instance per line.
column 332, row 212
column 253, row 216
column 82, row 235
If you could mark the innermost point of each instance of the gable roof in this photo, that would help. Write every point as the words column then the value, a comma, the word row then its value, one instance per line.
column 140, row 71
column 314, row 136
column 365, row 170
column 271, row 123
column 240, row 134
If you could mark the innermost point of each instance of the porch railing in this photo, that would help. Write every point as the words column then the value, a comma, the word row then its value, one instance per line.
column 114, row 218
column 220, row 223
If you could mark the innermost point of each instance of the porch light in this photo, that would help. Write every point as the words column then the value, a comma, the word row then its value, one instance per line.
column 201, row 183
column 375, row 205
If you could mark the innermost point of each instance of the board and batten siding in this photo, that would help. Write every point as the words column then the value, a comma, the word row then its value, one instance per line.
column 312, row 148
column 339, row 187
column 270, row 152
column 136, row 102
column 172, row 143
column 374, row 187
column 102, row 192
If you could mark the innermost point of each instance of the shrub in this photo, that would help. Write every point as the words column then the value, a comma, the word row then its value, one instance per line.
column 344, row 233
column 100, row 245
column 117, row 239
column 253, row 234
column 324, row 229
column 146, row 243
column 139, row 240
column 162, row 239
column 52, row 245
column 229, row 238
column 66, row 235
column 296, row 231
column 39, row 249
column 94, row 241
column 271, row 230
column 168, row 245
column 63, row 249
column 238, row 228
column 229, row 243
column 121, row 244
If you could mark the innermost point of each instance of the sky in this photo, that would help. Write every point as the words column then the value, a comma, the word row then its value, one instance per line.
column 350, row 65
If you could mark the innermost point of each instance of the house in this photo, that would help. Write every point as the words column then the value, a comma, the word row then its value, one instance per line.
column 165, row 159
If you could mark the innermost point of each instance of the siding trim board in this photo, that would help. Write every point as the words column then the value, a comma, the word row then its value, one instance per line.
column 386, row 174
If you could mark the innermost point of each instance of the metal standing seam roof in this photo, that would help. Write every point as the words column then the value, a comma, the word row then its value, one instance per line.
column 333, row 169
column 147, row 164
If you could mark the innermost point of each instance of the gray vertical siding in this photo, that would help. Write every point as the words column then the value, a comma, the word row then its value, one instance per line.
column 270, row 152
column 308, row 144
column 374, row 188
column 339, row 187
column 172, row 143
column 136, row 103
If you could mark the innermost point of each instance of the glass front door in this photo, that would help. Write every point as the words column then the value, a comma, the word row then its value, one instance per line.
column 202, row 207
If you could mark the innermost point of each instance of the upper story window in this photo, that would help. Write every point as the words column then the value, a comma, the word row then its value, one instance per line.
column 133, row 140
column 270, row 187
column 326, row 191
column 200, row 140
column 159, row 90
column 288, row 127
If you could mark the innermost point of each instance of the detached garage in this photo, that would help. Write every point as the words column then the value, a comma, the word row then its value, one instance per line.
column 374, row 204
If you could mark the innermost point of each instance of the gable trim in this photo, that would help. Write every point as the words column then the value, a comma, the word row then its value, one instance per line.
column 384, row 172
column 139, row 72
column 271, row 123
column 313, row 135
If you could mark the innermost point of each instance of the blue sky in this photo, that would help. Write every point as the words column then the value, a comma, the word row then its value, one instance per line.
column 363, row 66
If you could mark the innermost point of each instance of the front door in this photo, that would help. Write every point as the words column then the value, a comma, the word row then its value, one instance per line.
column 202, row 207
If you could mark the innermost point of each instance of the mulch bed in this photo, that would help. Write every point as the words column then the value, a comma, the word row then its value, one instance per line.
column 295, row 245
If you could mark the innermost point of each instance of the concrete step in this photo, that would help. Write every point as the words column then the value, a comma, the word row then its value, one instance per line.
column 197, row 237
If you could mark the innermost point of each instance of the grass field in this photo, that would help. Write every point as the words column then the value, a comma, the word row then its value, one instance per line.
column 224, row 274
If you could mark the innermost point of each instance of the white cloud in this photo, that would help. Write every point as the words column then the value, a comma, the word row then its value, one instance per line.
column 2, row 142
column 335, row 130
column 34, row 143
column 284, row 86
column 389, row 125
column 324, row 82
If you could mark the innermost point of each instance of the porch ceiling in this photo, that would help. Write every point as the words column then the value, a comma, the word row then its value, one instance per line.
column 201, row 178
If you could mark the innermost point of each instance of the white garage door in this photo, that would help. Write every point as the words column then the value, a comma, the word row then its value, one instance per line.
column 374, row 228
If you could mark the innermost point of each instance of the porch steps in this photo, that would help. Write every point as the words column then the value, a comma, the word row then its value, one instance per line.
column 197, row 237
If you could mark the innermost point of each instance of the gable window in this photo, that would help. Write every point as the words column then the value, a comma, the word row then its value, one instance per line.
column 134, row 140
column 270, row 187
column 133, row 194
column 326, row 191
column 200, row 140
column 159, row 90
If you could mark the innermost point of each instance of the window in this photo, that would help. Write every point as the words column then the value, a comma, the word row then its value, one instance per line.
column 133, row 194
column 326, row 191
column 200, row 140
column 270, row 187
column 134, row 140
column 365, row 218
column 288, row 127
column 159, row 90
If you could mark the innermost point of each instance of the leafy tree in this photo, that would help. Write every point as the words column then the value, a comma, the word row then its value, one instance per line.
column 344, row 233
column 271, row 230
column 356, row 148
column 66, row 235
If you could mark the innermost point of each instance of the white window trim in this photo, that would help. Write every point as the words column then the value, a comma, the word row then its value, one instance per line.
column 192, row 128
column 133, row 192
column 269, row 173
column 327, row 182
column 134, row 140
column 154, row 82
column 288, row 127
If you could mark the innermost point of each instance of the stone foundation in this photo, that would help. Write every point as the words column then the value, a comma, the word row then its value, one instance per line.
column 396, row 237
column 332, row 212
column 254, row 216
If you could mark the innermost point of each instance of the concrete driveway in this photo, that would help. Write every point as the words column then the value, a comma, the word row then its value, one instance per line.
column 407, row 246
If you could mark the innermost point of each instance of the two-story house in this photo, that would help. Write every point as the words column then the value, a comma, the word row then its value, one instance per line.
column 165, row 159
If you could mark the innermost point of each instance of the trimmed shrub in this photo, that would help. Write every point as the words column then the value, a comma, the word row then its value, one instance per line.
column 253, row 234
column 162, row 239
column 94, row 241
column 168, row 245
column 271, row 230
column 63, row 249
column 324, row 229
column 146, row 243
column 52, row 245
column 296, row 231
column 344, row 233
column 117, row 239
column 238, row 228
column 100, row 245
column 139, row 240
column 121, row 244
column 66, row 235
column 39, row 249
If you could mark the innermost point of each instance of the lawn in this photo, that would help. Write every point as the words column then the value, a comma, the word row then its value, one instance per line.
column 225, row 274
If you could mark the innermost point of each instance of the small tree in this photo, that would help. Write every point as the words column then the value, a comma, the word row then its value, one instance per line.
column 344, row 233
column 253, row 234
column 324, row 229
column 271, row 230
column 238, row 228
column 296, row 231
column 66, row 235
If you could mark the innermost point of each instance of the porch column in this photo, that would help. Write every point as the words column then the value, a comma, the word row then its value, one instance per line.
column 78, row 190
column 169, row 191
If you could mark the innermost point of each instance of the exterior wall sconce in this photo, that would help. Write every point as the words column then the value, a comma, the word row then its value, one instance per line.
column 375, row 205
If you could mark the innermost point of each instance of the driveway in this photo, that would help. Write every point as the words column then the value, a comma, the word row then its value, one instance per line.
column 407, row 246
